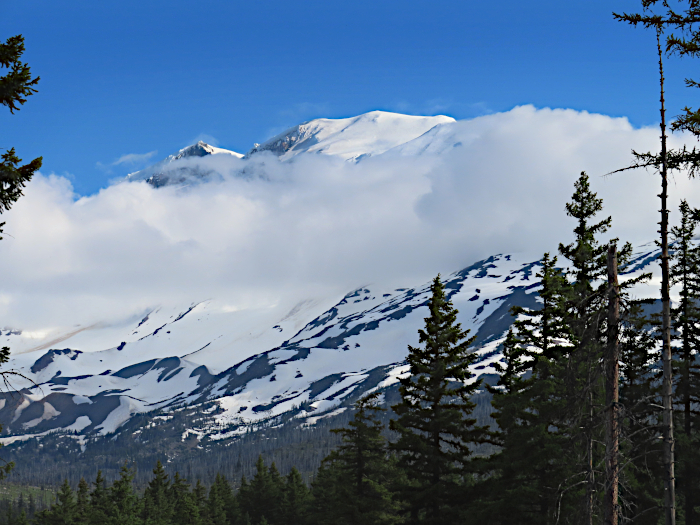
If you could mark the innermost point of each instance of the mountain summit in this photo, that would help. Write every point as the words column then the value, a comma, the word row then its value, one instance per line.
column 169, row 171
column 350, row 138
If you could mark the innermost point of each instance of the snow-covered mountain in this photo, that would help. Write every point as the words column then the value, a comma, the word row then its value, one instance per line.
column 170, row 171
column 350, row 138
column 238, row 368
column 312, row 361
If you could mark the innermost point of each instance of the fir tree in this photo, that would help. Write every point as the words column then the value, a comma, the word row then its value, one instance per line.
column 361, row 472
column 99, row 501
column 82, row 507
column 261, row 497
column 184, row 505
column 640, row 395
column 685, row 272
column 528, row 478
column 124, row 503
column 15, row 86
column 220, row 503
column 200, row 497
column 434, row 422
column 297, row 499
column 63, row 512
column 157, row 507
column 586, row 320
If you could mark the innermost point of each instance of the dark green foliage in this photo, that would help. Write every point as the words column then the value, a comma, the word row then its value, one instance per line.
column 99, row 501
column 15, row 86
column 14, row 177
column 297, row 499
column 640, row 397
column 82, row 503
column 17, row 83
column 64, row 512
column 124, row 507
column 531, row 473
column 157, row 508
column 434, row 420
column 184, row 505
column 685, row 272
column 550, row 394
column 220, row 504
column 353, row 486
column 262, row 497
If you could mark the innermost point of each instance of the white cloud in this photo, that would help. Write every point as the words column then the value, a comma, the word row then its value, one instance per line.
column 134, row 158
column 318, row 225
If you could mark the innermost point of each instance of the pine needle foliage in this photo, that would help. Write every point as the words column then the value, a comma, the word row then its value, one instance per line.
column 434, row 418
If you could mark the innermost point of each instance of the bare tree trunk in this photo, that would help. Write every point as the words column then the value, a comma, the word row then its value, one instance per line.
column 612, row 397
column 667, row 386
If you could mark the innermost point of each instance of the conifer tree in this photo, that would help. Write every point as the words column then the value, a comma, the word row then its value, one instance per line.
column 297, row 499
column 82, row 507
column 262, row 496
column 220, row 504
column 157, row 508
column 586, row 320
column 550, row 394
column 185, row 510
column 528, row 478
column 15, row 86
column 124, row 503
column 435, row 423
column 640, row 395
column 99, row 501
column 22, row 519
column 329, row 496
column 63, row 512
column 663, row 162
column 361, row 471
column 200, row 496
column 685, row 272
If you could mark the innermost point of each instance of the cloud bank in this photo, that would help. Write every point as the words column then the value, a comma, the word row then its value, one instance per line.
column 263, row 232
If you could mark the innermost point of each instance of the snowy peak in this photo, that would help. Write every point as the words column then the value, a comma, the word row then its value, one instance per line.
column 201, row 149
column 351, row 138
column 167, row 170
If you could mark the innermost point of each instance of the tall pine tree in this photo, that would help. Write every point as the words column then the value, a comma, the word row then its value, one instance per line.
column 435, row 424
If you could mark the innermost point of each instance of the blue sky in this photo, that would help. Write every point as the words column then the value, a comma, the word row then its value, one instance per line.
column 137, row 77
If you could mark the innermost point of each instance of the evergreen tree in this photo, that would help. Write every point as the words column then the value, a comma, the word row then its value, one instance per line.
column 157, row 506
column 82, row 507
column 276, row 491
column 99, row 501
column 63, row 512
column 15, row 86
column 200, row 497
column 184, row 504
column 586, row 309
column 124, row 503
column 685, row 272
column 434, row 423
column 361, row 472
column 262, row 496
column 297, row 499
column 528, row 478
column 220, row 504
column 640, row 396
column 550, row 394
